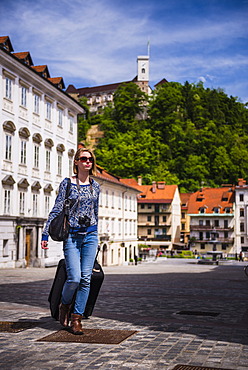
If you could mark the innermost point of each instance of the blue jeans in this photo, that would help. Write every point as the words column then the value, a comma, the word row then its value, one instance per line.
column 80, row 253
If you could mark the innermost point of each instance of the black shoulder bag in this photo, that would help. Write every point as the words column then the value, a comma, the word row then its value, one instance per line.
column 59, row 226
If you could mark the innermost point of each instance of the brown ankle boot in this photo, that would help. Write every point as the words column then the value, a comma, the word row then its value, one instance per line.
column 64, row 310
column 76, row 326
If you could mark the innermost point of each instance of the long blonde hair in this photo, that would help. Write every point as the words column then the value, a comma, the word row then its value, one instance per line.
column 77, row 156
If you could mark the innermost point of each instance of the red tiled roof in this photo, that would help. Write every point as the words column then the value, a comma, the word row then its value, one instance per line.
column 6, row 40
column 160, row 194
column 57, row 81
column 163, row 194
column 163, row 81
column 24, row 55
column 185, row 199
column 103, row 174
column 130, row 182
column 96, row 89
column 40, row 68
column 3, row 39
column 210, row 198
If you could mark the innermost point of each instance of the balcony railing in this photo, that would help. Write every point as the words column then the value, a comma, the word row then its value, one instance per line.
column 206, row 228
column 215, row 241
column 162, row 237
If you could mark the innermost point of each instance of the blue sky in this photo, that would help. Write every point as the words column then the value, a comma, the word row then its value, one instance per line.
column 97, row 42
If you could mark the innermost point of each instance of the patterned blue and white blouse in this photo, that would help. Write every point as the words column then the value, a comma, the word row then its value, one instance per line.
column 84, row 203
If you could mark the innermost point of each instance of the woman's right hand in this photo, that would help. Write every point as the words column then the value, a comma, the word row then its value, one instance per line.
column 44, row 244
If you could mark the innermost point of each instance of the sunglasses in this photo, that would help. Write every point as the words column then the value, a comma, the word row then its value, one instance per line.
column 85, row 159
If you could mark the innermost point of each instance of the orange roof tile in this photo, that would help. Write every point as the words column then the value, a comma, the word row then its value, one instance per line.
column 209, row 198
column 185, row 200
column 130, row 182
column 164, row 195
column 24, row 55
column 57, row 81
column 103, row 174
column 6, row 43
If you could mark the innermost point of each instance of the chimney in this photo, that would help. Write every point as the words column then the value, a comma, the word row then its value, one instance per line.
column 140, row 180
column 161, row 184
column 241, row 182
column 154, row 186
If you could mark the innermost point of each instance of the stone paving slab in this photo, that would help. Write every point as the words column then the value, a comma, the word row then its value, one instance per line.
column 146, row 298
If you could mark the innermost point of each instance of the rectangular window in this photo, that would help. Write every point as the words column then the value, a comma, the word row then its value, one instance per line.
column 113, row 199
column 183, row 227
column 216, row 223
column 242, row 240
column 8, row 88
column 120, row 198
column 5, row 247
column 8, row 147
column 107, row 200
column 164, row 218
column 7, row 202
column 149, row 231
column 241, row 197
column 226, row 234
column 36, row 156
column 112, row 226
column 119, row 226
column 60, row 117
column 70, row 166
column 36, row 104
column 22, row 202
column 71, row 124
column 100, row 199
column 241, row 212
column 200, row 222
column 48, row 160
column 242, row 226
column 48, row 110
column 47, row 204
column 149, row 218
column 225, row 224
column 35, row 204
column 23, row 96
column 142, row 206
column 59, row 164
column 23, row 152
column 207, row 222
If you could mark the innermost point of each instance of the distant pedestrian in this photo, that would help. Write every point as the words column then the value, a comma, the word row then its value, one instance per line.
column 241, row 257
column 135, row 260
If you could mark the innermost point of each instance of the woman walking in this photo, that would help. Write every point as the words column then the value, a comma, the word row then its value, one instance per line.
column 81, row 244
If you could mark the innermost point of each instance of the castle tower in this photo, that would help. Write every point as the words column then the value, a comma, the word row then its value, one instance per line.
column 143, row 73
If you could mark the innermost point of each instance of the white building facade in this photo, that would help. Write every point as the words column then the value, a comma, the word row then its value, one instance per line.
column 241, row 217
column 37, row 143
column 117, row 221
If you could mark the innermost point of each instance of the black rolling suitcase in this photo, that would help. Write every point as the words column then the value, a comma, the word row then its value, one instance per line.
column 58, row 283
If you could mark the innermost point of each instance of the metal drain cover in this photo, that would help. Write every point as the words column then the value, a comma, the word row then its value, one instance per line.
column 15, row 327
column 198, row 313
column 189, row 367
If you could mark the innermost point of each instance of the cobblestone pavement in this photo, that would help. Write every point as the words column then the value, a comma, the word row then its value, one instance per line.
column 148, row 298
